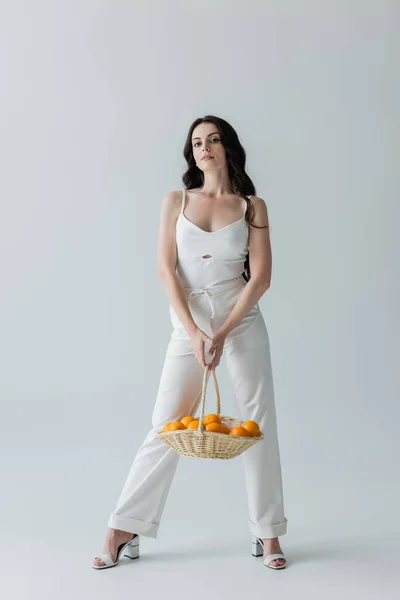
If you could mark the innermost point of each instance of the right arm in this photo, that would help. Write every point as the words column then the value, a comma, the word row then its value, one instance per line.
column 166, row 264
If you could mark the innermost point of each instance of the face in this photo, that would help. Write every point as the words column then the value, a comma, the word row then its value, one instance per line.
column 207, row 148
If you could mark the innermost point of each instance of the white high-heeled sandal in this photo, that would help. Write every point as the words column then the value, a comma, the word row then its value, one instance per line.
column 257, row 549
column 131, row 551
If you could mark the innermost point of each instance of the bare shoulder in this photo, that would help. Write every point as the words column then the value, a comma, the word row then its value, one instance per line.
column 172, row 199
column 260, row 211
column 171, row 203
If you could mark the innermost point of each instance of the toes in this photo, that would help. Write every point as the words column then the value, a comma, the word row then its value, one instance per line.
column 278, row 562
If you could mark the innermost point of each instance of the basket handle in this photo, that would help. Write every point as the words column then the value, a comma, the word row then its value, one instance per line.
column 203, row 395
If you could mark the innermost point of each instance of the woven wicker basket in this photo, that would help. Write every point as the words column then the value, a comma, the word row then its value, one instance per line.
column 200, row 443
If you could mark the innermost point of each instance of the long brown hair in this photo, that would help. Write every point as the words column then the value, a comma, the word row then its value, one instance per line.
column 240, row 182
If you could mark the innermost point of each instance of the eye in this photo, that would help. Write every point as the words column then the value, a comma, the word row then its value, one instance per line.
column 211, row 140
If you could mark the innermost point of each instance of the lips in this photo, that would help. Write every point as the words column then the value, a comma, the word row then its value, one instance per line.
column 207, row 157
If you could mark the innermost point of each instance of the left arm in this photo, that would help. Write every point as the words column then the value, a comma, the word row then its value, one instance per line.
column 260, row 260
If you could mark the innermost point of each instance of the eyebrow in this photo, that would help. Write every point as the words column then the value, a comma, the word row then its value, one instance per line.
column 197, row 138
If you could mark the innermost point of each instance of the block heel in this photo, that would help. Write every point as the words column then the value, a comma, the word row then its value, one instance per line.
column 256, row 547
column 132, row 549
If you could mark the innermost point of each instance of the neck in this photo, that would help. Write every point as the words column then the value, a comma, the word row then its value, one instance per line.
column 216, row 183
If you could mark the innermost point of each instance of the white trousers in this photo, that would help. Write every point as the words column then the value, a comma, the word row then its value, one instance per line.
column 247, row 354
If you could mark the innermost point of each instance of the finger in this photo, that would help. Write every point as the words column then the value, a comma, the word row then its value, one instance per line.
column 203, row 358
column 217, row 359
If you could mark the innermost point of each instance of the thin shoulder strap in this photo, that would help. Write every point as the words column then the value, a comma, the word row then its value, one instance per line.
column 183, row 199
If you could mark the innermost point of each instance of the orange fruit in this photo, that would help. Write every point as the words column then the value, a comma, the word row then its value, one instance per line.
column 252, row 427
column 165, row 428
column 193, row 424
column 238, row 430
column 211, row 418
column 187, row 420
column 215, row 427
column 225, row 429
column 176, row 425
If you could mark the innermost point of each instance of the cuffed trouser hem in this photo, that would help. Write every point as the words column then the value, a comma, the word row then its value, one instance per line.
column 133, row 525
column 268, row 531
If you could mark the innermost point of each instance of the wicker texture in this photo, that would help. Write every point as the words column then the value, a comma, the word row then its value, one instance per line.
column 200, row 443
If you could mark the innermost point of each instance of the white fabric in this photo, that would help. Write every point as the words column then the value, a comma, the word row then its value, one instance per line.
column 141, row 503
column 207, row 293
column 228, row 248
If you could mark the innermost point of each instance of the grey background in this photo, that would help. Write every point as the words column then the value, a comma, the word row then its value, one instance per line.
column 96, row 100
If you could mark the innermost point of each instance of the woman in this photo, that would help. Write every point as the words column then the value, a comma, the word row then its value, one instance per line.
column 214, row 261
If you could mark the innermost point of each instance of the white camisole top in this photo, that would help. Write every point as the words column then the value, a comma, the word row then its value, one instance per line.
column 227, row 247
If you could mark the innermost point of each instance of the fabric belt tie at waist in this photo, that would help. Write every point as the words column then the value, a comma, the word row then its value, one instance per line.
column 205, row 291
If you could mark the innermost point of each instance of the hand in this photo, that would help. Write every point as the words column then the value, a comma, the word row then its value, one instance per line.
column 217, row 346
column 198, row 339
